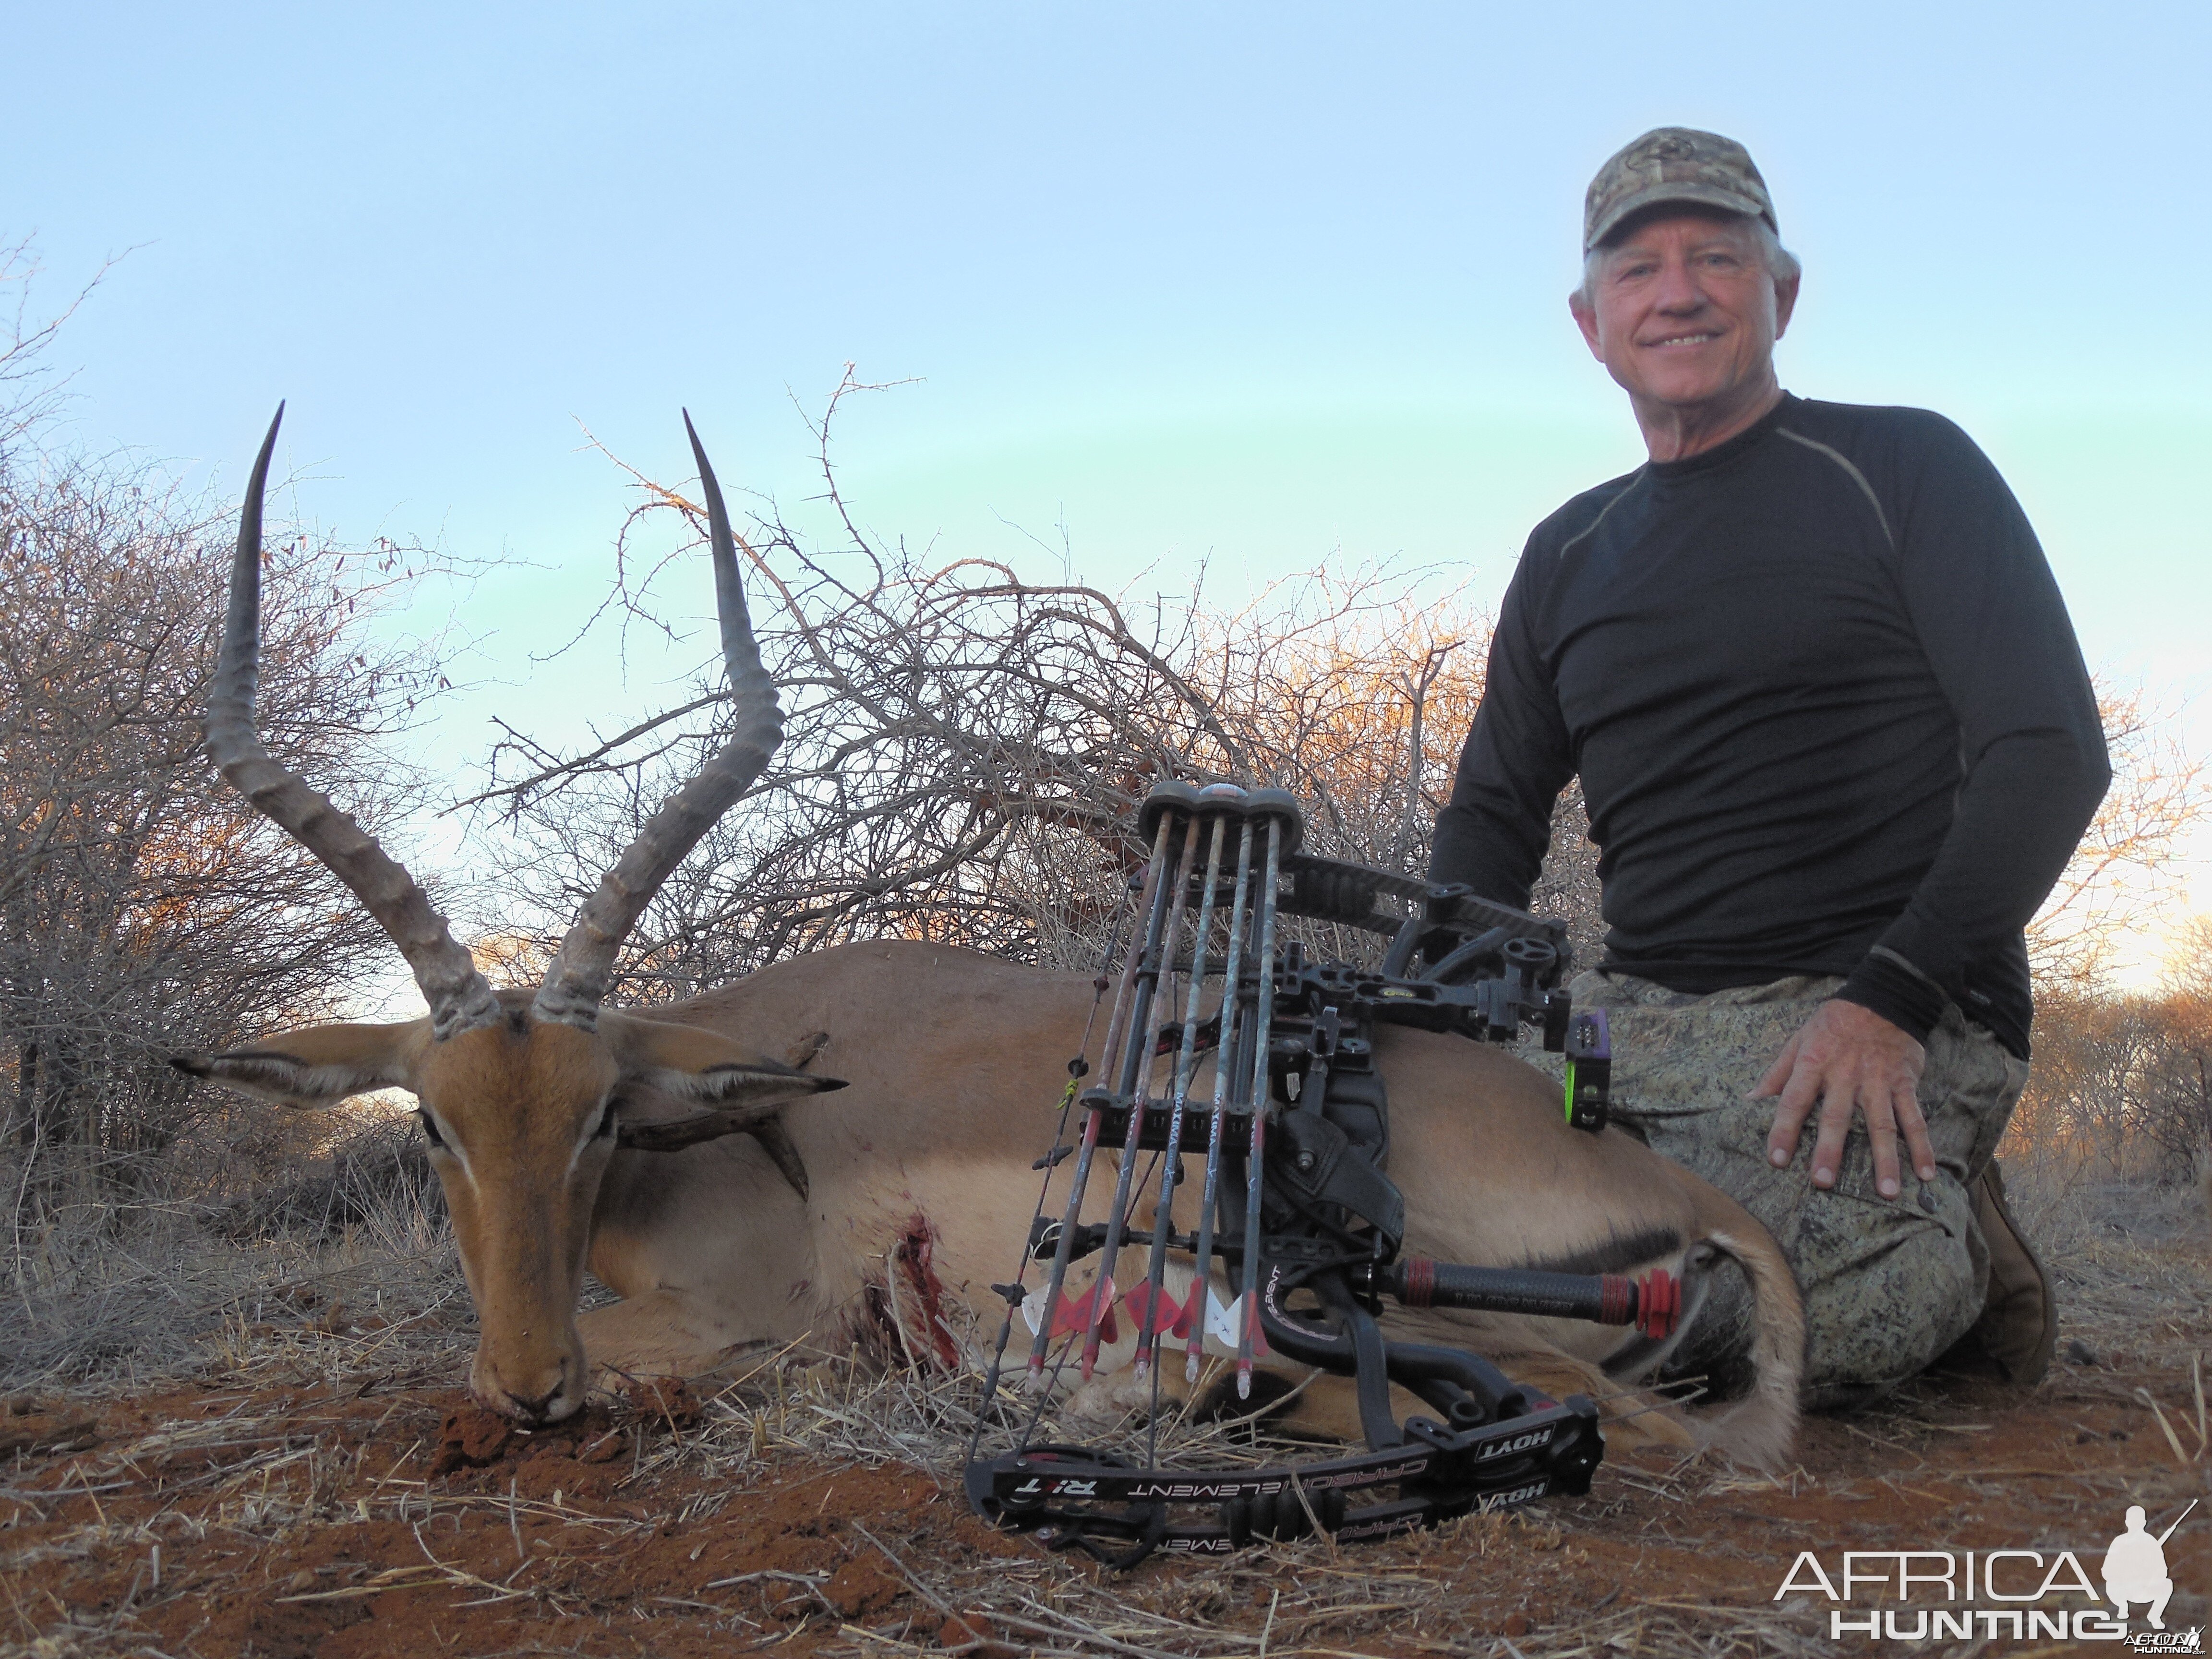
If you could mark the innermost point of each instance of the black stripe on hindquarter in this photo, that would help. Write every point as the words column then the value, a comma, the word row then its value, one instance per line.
column 1617, row 1253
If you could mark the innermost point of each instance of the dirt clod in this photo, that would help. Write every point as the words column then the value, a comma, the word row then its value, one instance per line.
column 472, row 1438
column 667, row 1399
column 974, row 1633
column 859, row 1588
column 605, row 1448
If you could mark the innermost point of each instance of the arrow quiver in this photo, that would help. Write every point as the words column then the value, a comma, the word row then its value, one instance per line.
column 1293, row 1238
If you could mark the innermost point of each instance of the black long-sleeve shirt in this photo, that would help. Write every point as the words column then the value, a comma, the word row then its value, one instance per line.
column 1828, row 711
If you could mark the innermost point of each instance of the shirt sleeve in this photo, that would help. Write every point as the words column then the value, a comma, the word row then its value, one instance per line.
column 1989, row 617
column 1492, row 834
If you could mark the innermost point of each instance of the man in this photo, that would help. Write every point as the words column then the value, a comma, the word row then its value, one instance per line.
column 1836, row 742
column 2135, row 1569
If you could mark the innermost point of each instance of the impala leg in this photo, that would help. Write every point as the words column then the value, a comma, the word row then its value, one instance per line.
column 1327, row 1406
column 664, row 1333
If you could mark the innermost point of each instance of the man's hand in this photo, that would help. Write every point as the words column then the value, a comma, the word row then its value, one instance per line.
column 1848, row 1059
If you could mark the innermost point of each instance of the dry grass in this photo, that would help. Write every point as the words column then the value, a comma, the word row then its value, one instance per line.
column 293, row 1341
column 133, row 1297
column 2129, row 1259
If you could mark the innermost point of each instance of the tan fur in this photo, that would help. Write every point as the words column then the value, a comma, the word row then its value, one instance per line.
column 1759, row 1429
column 515, row 1106
column 955, row 1063
column 953, row 1084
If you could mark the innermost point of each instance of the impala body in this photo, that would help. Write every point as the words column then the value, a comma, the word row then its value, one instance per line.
column 658, row 1150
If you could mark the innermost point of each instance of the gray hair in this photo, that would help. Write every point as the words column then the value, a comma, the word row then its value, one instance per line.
column 1781, row 264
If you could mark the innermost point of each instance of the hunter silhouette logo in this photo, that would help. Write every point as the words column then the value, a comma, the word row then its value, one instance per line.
column 2135, row 1567
column 2018, row 1593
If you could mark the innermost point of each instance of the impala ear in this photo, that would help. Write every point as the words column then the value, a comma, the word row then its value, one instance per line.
column 735, row 1100
column 704, row 1069
column 317, row 1067
column 738, row 1091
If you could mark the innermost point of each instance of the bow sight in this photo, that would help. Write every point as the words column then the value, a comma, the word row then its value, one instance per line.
column 1295, row 1207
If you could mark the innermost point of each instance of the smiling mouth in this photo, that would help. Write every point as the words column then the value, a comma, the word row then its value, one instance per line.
column 1683, row 340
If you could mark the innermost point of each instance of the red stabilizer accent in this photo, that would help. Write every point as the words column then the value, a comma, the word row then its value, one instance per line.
column 1616, row 1304
column 1658, row 1304
column 1420, row 1282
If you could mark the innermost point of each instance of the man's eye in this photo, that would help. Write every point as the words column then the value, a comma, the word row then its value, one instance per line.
column 430, row 1128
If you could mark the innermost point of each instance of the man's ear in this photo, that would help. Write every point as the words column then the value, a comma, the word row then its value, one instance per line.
column 701, row 1068
column 1585, row 316
column 1785, row 301
column 319, row 1066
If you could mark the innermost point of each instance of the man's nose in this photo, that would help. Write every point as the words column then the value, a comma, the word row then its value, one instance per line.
column 1679, row 291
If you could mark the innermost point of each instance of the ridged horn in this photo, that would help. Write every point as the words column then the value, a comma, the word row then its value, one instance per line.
column 460, row 999
column 578, row 978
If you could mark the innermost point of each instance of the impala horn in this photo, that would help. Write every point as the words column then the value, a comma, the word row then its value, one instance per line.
column 578, row 978
column 459, row 997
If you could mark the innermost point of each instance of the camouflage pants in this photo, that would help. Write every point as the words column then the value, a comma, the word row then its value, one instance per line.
column 1889, row 1284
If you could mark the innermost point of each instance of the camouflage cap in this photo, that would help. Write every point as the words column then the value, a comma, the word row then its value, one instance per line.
column 1674, row 164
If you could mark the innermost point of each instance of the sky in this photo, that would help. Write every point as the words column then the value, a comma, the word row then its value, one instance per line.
column 1261, row 287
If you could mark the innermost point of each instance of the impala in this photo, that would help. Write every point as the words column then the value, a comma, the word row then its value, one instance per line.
column 651, row 1147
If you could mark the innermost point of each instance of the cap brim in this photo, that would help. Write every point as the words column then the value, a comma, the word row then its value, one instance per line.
column 1688, row 194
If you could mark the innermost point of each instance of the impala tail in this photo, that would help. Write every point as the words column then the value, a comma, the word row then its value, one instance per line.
column 1760, row 1428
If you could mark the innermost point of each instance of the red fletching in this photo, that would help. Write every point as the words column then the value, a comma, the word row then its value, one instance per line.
column 1071, row 1315
column 1171, row 1315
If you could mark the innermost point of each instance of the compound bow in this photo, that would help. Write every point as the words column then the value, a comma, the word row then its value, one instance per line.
column 1295, row 1204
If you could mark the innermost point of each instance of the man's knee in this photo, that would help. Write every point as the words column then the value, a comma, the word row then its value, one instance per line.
column 2153, row 1593
column 1895, row 1292
column 1889, row 1284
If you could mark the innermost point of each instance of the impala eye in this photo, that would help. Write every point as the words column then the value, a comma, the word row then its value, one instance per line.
column 430, row 1127
column 606, row 1121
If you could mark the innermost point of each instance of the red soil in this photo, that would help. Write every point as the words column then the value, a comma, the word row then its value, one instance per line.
column 345, row 1526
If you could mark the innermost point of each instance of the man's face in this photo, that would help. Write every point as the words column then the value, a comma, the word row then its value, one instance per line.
column 1682, row 311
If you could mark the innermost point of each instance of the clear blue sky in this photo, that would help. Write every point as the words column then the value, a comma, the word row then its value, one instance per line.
column 1259, row 283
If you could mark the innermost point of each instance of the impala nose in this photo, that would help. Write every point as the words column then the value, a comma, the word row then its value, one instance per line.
column 531, row 1396
column 533, row 1410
